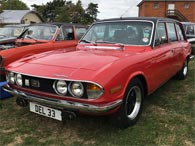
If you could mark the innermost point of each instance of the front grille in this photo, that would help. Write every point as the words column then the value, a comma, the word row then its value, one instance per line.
column 45, row 85
column 40, row 84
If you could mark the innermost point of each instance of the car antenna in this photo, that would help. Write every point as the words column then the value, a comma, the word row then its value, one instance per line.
column 125, row 12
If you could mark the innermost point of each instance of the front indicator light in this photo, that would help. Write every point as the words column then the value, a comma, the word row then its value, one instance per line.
column 93, row 91
column 76, row 89
column 18, row 78
column 60, row 87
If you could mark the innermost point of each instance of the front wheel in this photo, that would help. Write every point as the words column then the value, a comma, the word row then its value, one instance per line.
column 130, row 110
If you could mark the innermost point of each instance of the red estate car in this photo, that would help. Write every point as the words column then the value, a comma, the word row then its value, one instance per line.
column 38, row 38
column 118, row 62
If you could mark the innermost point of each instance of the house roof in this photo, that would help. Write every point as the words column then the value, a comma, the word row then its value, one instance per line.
column 14, row 16
column 164, row 1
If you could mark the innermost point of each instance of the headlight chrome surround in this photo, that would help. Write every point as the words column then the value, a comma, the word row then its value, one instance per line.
column 60, row 87
column 11, row 77
column 76, row 89
column 18, row 79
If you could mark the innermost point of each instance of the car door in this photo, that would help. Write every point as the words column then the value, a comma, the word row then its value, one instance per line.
column 175, row 48
column 161, row 56
column 183, row 44
column 66, row 39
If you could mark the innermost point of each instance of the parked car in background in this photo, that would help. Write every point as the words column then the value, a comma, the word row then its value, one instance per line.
column 189, row 28
column 12, row 30
column 39, row 38
column 117, row 63
column 9, row 33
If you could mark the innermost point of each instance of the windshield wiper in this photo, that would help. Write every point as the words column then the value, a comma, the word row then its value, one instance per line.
column 85, row 41
column 108, row 42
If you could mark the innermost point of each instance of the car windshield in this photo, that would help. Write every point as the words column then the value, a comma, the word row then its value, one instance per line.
column 40, row 32
column 10, row 31
column 120, row 32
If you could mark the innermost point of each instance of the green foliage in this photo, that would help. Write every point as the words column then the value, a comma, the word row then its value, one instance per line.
column 66, row 11
column 13, row 5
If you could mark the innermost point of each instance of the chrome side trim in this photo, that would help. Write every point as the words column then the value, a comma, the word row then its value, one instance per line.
column 62, row 104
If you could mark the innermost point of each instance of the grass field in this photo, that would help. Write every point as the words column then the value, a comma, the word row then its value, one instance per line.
column 168, row 119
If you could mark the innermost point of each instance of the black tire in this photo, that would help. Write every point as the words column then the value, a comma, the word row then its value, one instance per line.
column 129, row 112
column 182, row 74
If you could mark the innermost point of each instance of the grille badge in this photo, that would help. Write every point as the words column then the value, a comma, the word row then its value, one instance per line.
column 35, row 83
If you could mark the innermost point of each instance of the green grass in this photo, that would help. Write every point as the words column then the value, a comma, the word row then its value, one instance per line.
column 168, row 119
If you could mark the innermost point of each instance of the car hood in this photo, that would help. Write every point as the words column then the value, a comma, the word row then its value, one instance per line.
column 74, row 65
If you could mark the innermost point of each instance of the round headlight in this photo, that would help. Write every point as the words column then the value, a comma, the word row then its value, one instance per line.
column 19, row 79
column 76, row 89
column 11, row 77
column 60, row 87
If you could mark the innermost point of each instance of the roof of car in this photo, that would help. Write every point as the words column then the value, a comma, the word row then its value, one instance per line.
column 188, row 23
column 16, row 25
column 59, row 24
column 154, row 19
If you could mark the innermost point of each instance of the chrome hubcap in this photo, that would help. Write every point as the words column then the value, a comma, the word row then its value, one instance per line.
column 185, row 70
column 133, row 102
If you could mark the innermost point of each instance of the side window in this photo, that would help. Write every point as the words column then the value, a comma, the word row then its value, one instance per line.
column 18, row 31
column 179, row 32
column 161, row 36
column 80, row 31
column 190, row 30
column 68, row 33
column 171, row 32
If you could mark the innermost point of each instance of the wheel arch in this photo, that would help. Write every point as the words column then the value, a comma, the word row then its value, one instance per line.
column 142, row 78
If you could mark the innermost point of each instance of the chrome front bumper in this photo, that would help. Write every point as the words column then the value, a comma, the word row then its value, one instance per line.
column 62, row 104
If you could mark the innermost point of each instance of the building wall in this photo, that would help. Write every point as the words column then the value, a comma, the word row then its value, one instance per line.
column 31, row 18
column 146, row 9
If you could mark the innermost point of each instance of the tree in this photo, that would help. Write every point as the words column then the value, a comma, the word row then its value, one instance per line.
column 13, row 5
column 66, row 11
column 91, row 12
column 50, row 10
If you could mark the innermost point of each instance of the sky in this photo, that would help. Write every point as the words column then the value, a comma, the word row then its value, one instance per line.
column 107, row 8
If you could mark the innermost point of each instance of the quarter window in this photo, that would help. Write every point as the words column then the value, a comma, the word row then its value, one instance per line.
column 171, row 32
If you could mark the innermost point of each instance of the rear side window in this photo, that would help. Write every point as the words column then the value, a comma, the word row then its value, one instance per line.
column 161, row 36
column 179, row 32
column 171, row 32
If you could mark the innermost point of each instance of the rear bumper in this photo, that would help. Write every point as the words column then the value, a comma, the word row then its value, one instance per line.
column 62, row 104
